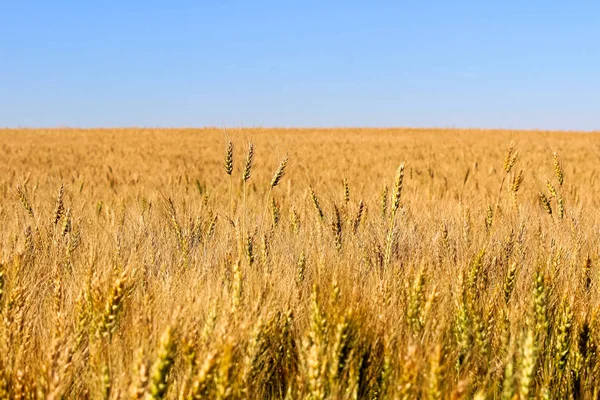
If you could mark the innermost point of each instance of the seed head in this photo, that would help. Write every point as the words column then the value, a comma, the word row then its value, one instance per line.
column 279, row 173
column 558, row 170
column 229, row 158
column 248, row 163
column 545, row 203
column 397, row 188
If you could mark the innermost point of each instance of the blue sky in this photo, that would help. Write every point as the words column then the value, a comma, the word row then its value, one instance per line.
column 512, row 64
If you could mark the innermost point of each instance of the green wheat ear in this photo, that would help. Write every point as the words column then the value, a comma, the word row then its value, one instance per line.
column 159, row 383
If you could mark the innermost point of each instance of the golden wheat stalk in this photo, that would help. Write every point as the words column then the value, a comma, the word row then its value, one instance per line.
column 228, row 164
column 60, row 208
column 398, row 182
column 25, row 201
column 248, row 164
column 545, row 203
column 274, row 182
column 280, row 172
column 245, row 176
column 558, row 169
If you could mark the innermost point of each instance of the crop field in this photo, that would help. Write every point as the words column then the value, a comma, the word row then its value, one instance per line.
column 299, row 264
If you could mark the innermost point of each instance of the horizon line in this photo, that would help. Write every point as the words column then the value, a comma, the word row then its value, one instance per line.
column 291, row 127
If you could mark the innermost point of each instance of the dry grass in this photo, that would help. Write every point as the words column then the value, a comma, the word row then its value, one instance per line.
column 150, row 264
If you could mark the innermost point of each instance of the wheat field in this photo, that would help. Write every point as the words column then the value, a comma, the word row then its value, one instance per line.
column 299, row 263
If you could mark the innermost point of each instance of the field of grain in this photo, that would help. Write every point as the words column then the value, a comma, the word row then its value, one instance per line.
column 289, row 263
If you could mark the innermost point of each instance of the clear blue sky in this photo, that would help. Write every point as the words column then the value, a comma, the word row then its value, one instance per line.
column 514, row 64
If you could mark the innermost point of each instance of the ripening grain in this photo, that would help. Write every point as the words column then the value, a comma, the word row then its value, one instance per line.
column 288, row 263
